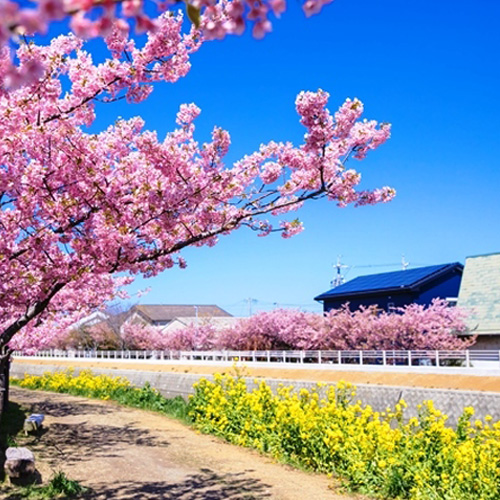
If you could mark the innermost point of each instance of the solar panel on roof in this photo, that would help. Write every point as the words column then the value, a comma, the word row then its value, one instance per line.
column 383, row 281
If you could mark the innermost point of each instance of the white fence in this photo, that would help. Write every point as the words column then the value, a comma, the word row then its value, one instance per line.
column 465, row 359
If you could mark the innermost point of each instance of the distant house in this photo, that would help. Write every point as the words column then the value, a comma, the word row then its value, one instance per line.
column 397, row 288
column 480, row 295
column 92, row 319
column 162, row 316
column 218, row 322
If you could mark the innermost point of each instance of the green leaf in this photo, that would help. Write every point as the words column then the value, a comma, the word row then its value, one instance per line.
column 193, row 14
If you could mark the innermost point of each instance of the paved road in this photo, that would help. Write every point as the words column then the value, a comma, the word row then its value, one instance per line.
column 128, row 454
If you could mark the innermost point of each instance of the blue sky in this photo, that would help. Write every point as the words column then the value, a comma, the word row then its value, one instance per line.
column 431, row 68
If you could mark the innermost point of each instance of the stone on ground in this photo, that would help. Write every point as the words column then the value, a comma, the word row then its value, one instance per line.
column 19, row 463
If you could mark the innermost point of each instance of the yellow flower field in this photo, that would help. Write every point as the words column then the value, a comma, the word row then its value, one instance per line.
column 374, row 452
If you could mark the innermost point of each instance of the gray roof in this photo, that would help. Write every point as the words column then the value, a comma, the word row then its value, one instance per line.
column 480, row 293
column 161, row 312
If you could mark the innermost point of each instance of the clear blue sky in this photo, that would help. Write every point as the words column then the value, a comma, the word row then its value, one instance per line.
column 431, row 68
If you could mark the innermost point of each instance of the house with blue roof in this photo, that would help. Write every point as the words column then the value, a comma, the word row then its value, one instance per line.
column 397, row 288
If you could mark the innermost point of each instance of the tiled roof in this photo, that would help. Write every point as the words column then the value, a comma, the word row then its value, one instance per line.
column 480, row 293
column 396, row 280
column 169, row 312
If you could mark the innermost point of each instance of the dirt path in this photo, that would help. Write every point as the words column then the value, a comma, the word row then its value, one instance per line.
column 128, row 454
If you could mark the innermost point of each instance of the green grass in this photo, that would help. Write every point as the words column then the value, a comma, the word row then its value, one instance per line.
column 145, row 398
column 59, row 487
column 150, row 399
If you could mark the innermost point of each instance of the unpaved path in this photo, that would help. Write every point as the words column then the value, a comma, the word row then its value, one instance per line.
column 127, row 454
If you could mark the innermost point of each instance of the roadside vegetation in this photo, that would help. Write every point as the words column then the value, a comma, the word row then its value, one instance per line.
column 59, row 487
column 327, row 430
column 105, row 387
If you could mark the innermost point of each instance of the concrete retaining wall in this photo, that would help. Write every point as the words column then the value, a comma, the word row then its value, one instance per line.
column 451, row 402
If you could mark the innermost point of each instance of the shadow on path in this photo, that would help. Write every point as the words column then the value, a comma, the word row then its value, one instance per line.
column 83, row 441
column 128, row 454
column 207, row 485
column 58, row 408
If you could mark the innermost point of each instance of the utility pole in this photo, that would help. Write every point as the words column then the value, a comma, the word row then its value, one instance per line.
column 250, row 302
column 196, row 316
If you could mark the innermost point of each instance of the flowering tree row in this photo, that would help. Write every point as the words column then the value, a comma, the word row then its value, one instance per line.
column 413, row 327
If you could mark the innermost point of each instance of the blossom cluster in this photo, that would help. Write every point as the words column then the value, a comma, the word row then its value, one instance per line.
column 69, row 305
column 330, row 431
column 93, row 18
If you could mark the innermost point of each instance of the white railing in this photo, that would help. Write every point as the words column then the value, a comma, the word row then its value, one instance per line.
column 466, row 358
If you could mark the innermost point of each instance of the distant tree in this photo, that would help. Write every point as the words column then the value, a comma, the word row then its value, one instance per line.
column 202, row 335
column 140, row 336
column 85, row 337
column 103, row 332
column 413, row 327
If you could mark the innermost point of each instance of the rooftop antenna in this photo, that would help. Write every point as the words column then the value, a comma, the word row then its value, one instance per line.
column 338, row 279
column 404, row 263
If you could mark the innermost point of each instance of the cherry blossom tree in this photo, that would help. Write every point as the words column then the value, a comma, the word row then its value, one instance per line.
column 414, row 327
column 278, row 329
column 79, row 208
column 140, row 336
column 99, row 337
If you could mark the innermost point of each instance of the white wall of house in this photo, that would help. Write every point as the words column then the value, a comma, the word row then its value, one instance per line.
column 217, row 322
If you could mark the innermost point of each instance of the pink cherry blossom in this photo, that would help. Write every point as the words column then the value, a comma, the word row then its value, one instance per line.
column 260, row 28
column 278, row 7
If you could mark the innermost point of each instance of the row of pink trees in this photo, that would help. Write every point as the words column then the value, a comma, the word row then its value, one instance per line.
column 413, row 327
column 79, row 208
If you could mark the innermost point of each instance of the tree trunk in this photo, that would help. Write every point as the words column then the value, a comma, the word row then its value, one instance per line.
column 4, row 380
